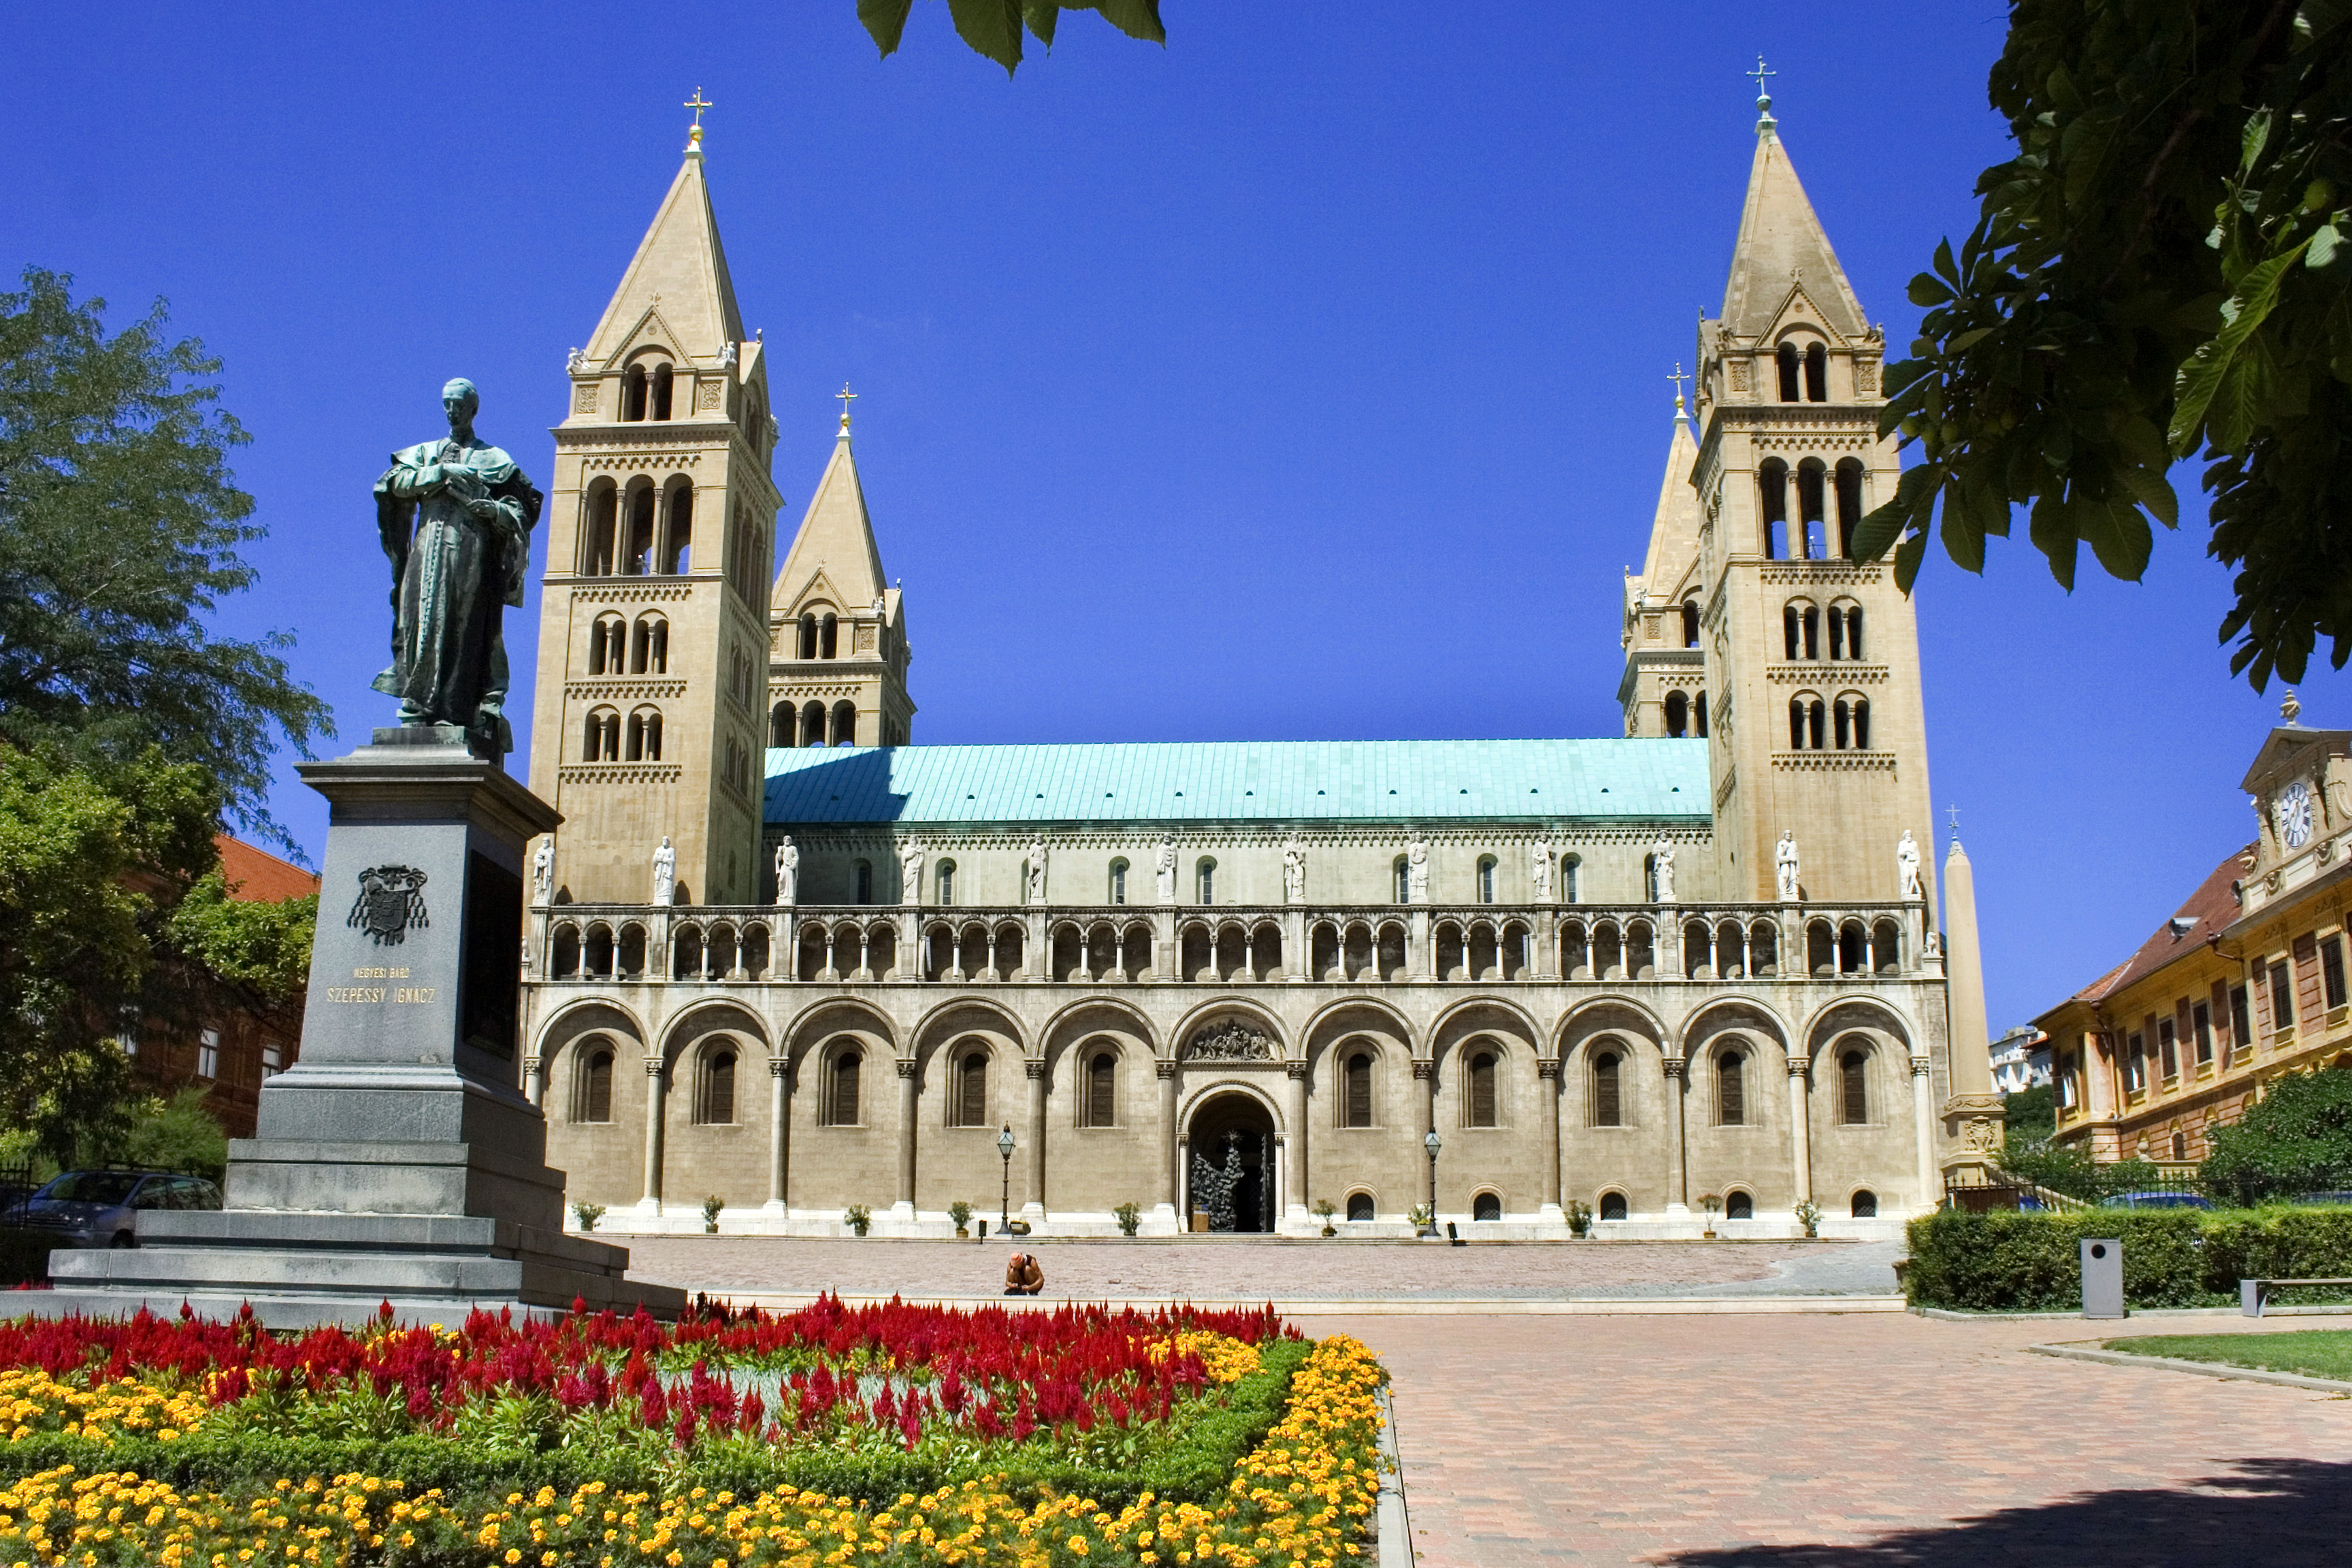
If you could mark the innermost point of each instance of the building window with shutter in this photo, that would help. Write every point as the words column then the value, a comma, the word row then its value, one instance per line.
column 1853, row 1089
column 2282, row 998
column 1102, row 1089
column 2167, row 1050
column 971, row 1090
column 209, row 1053
column 2242, row 1031
column 1482, row 1089
column 841, row 1092
column 1731, row 1089
column 1608, row 1103
column 715, row 1094
column 2331, row 971
column 2201, row 1021
column 1360, row 1090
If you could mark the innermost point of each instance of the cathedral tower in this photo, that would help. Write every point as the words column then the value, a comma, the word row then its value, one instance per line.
column 838, row 645
column 653, row 632
column 1811, row 658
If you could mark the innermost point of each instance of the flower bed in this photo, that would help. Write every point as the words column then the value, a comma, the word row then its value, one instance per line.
column 883, row 1434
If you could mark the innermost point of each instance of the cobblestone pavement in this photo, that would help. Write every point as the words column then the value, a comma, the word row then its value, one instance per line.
column 1848, row 1441
column 1352, row 1270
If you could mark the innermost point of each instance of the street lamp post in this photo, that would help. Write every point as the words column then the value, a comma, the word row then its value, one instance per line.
column 1004, row 1147
column 1432, row 1143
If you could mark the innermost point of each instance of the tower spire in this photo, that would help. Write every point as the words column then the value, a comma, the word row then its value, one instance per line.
column 694, row 133
column 1764, row 121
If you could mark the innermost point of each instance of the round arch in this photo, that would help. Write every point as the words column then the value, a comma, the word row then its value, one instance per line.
column 711, row 1017
column 589, row 1015
column 1727, row 1014
column 1851, row 1013
column 1095, row 1015
column 1208, row 1011
column 837, row 1015
column 1610, row 1015
column 963, row 1016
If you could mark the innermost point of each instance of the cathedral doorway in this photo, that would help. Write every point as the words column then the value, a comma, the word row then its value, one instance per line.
column 1229, row 1171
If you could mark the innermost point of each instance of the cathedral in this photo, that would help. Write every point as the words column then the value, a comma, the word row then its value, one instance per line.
column 783, row 962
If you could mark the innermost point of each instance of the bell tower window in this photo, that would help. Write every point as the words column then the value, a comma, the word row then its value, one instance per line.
column 1785, row 362
column 1817, row 374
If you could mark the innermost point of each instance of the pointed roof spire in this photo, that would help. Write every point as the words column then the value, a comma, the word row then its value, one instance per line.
column 846, row 397
column 699, row 103
column 679, row 270
column 1764, row 121
column 1781, row 250
column 1673, row 525
column 835, row 537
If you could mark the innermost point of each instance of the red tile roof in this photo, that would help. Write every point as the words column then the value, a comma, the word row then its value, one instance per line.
column 2209, row 912
column 258, row 877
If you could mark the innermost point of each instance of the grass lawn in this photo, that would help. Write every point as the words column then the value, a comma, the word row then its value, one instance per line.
column 2314, row 1352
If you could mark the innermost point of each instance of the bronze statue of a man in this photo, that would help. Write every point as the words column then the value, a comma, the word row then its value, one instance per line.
column 455, row 517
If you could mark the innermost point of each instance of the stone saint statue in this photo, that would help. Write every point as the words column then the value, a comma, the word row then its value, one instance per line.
column 1165, row 868
column 788, row 871
column 542, row 871
column 1784, row 867
column 1036, row 870
column 1906, row 868
column 1662, row 870
column 910, row 873
column 456, row 518
column 1540, row 868
column 664, row 873
column 1294, row 872
column 1416, row 871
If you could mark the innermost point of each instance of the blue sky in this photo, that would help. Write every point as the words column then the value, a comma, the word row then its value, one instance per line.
column 1296, row 381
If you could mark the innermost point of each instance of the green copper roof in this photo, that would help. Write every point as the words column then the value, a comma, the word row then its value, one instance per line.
column 1278, row 780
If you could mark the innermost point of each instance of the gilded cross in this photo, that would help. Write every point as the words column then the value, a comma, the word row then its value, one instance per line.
column 1763, row 98
column 1955, row 812
column 1678, row 378
column 846, row 396
column 699, row 103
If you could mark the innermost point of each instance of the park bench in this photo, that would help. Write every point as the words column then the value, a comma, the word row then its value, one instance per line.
column 2253, row 1293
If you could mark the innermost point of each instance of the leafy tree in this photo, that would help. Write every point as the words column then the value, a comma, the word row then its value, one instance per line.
column 2160, row 269
column 259, row 948
column 993, row 28
column 2032, row 1113
column 2297, row 1139
column 119, row 534
column 174, row 1134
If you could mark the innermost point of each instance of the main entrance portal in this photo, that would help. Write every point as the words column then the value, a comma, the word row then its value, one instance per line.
column 1231, row 1172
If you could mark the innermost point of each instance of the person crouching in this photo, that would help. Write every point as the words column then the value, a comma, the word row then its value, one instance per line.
column 1023, row 1275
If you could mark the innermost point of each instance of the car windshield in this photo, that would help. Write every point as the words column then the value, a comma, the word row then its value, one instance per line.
column 108, row 1187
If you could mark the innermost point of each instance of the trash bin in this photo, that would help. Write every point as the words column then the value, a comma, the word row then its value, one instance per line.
column 2103, row 1277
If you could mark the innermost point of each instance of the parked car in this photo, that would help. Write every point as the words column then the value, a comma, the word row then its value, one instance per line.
column 2156, row 1201
column 94, row 1209
column 2324, row 1200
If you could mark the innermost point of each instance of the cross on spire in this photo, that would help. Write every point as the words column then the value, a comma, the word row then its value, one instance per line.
column 1955, row 812
column 694, row 135
column 1678, row 378
column 1764, row 121
column 846, row 397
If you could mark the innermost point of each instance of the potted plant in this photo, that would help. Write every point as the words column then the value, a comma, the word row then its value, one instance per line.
column 1809, row 1214
column 710, row 1207
column 587, row 1214
column 1128, row 1215
column 961, row 1211
column 857, row 1216
column 1324, row 1211
column 1424, row 1220
column 1709, row 1203
column 1580, row 1218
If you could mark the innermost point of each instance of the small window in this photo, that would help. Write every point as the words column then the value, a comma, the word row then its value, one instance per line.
column 1569, row 867
column 1738, row 1205
column 1678, row 715
column 1613, row 1206
column 208, row 1054
column 1486, row 1206
column 2168, row 1048
column 1690, row 623
column 1817, row 374
column 718, row 1097
column 1486, row 879
column 865, row 882
column 1788, row 364
column 1608, row 1106
column 1731, row 1089
column 2179, row 1146
column 1205, row 882
column 1865, row 1204
column 1360, row 1090
column 2331, row 970
column 1853, row 1089
column 1403, row 882
column 273, row 1059
column 595, row 1101
column 1118, row 881
column 1102, row 1084
column 1360, row 1206
column 2242, row 1032
column 1482, row 1089
column 841, row 1103
column 2136, row 1065
column 947, row 882
column 971, row 1090
column 2282, row 998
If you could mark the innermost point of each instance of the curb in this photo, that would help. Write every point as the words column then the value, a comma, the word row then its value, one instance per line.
column 2201, row 1368
column 1946, row 1315
column 1392, row 1521
column 1335, row 1307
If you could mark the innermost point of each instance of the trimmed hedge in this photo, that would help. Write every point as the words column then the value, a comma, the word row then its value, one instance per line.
column 2028, row 1262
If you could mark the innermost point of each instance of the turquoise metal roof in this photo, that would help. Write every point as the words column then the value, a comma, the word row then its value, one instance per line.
column 1648, row 781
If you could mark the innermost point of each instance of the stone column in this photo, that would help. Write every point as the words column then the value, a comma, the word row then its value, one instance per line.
column 1294, row 1181
column 657, row 1090
column 1972, row 1113
column 1172, row 1182
column 1548, row 1108
column 1033, row 1210
column 534, row 1079
column 1420, row 949
column 1425, row 1074
column 905, row 1207
column 779, row 1131
column 1923, row 1114
column 1678, row 1168
column 1800, row 1134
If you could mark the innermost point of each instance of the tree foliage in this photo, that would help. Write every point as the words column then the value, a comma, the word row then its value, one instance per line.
column 177, row 1133
column 2160, row 269
column 993, row 28
column 261, row 948
column 120, row 527
column 2296, row 1139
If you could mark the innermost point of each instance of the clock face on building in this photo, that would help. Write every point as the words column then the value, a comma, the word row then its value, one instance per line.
column 2293, row 810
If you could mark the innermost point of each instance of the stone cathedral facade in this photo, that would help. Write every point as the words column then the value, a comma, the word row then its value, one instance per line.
column 783, row 956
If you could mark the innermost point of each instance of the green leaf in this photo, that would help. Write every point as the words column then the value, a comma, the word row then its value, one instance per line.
column 1944, row 265
column 2154, row 491
column 1136, row 19
column 2252, row 142
column 2324, row 245
column 886, row 22
column 2051, row 529
column 1908, row 555
column 1963, row 541
column 1913, row 494
column 2118, row 535
column 993, row 28
column 1926, row 289
column 1041, row 16
column 2200, row 379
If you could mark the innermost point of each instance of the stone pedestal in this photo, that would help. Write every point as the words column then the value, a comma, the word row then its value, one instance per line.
column 399, row 1159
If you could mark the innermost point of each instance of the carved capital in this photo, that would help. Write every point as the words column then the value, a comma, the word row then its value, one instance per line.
column 905, row 1066
column 1547, row 1066
column 1922, row 1066
column 653, row 1067
column 1799, row 1066
column 777, row 1067
column 1032, row 1068
column 1162, row 1068
column 530, row 1064
column 1673, row 1066
column 1424, row 1069
column 1295, row 1069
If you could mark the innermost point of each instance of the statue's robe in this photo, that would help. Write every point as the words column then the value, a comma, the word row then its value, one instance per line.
column 452, row 576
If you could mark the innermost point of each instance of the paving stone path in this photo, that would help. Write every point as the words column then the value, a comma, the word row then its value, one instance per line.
column 1837, row 1441
column 1290, row 1271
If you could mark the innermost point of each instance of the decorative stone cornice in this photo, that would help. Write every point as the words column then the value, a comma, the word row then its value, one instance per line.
column 1823, row 672
column 623, row 691
column 622, row 590
column 619, row 772
column 1833, row 762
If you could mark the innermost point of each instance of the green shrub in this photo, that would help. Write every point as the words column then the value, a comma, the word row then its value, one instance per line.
column 2028, row 1262
column 2296, row 1139
column 960, row 1212
column 1129, row 1216
column 857, row 1216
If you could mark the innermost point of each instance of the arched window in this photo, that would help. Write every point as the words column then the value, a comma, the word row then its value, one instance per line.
column 1678, row 715
column 1403, row 873
column 1690, row 623
column 1787, row 363
column 633, row 393
column 593, row 1095
column 662, row 379
column 1204, row 882
column 1817, row 374
column 677, row 538
column 1814, row 716
column 1853, row 1089
column 644, row 743
column 1812, row 623
column 813, row 724
column 1865, row 1204
column 1486, row 1206
column 841, row 1092
column 828, row 636
column 715, row 1095
column 1792, row 630
column 971, row 1088
column 649, row 646
column 1842, row 725
column 1731, row 1089
column 1861, row 723
column 865, row 882
column 780, row 725
column 1810, row 530
column 1102, row 1089
column 1359, row 1073
column 1570, row 866
column 1485, row 879
column 1848, row 504
column 1360, row 1206
column 600, row 739
column 1613, row 1206
column 808, row 636
column 1698, row 715
column 1608, row 1101
column 637, row 540
column 597, row 519
column 1738, row 1205
column 1118, row 881
column 845, row 723
column 1854, row 632
column 1796, row 723
column 1482, row 1089
column 946, row 878
column 1773, row 477
column 600, row 643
